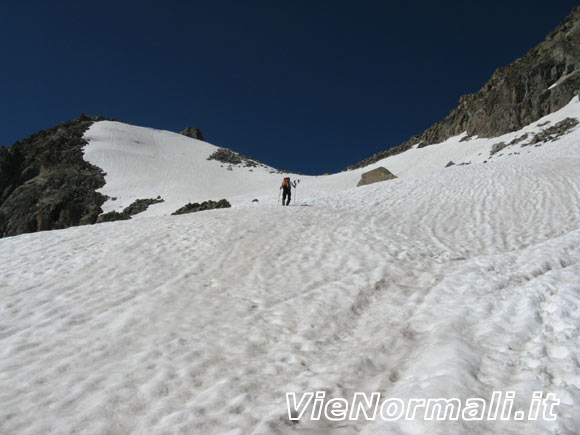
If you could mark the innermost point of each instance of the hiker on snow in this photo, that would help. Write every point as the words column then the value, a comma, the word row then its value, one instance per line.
column 286, row 187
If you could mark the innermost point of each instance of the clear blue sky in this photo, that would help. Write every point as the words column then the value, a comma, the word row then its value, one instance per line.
column 310, row 86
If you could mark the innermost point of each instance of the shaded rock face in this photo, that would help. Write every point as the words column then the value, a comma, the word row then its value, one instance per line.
column 136, row 207
column 376, row 175
column 206, row 205
column 541, row 82
column 192, row 132
column 46, row 184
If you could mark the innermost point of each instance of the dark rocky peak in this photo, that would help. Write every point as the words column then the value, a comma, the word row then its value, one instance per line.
column 539, row 83
column 192, row 132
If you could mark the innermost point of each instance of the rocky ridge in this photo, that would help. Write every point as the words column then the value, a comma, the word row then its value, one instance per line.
column 541, row 82
column 45, row 183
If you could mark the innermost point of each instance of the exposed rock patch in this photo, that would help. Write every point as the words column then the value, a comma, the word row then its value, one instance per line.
column 554, row 132
column 521, row 138
column 138, row 206
column 46, row 184
column 206, row 205
column 230, row 157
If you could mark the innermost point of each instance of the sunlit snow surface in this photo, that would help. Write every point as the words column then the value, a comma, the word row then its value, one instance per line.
column 443, row 283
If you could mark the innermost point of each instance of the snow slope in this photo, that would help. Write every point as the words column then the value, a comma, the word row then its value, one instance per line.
column 443, row 283
column 144, row 163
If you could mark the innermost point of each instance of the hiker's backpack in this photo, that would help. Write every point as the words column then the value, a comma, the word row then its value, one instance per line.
column 286, row 182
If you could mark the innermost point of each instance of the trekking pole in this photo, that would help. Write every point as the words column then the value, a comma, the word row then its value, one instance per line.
column 296, row 191
column 279, row 193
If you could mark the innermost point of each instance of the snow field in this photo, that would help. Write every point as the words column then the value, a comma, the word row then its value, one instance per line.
column 144, row 163
column 443, row 283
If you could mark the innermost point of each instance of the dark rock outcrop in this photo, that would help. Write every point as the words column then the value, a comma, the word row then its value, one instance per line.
column 539, row 83
column 46, row 184
column 230, row 157
column 554, row 132
column 519, row 139
column 136, row 207
column 113, row 216
column 192, row 132
column 206, row 205
column 376, row 175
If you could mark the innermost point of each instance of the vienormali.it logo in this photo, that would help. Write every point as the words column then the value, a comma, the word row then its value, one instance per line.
column 370, row 407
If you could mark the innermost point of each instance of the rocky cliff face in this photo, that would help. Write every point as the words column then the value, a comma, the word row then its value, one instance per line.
column 46, row 184
column 541, row 82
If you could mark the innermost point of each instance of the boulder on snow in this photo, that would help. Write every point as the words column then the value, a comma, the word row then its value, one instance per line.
column 376, row 175
column 451, row 163
column 192, row 132
column 497, row 147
